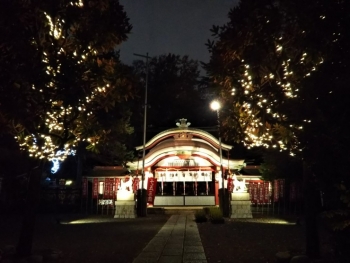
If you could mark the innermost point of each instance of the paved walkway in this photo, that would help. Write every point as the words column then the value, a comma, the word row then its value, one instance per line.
column 178, row 241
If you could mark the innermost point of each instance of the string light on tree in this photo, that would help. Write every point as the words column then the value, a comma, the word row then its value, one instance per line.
column 255, row 107
column 46, row 142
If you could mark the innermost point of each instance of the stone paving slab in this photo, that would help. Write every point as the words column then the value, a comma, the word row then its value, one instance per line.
column 191, row 249
column 178, row 241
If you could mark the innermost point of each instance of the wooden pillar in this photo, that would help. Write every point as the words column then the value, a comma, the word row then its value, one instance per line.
column 216, row 193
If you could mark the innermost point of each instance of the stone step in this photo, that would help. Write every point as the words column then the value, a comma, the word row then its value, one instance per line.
column 173, row 210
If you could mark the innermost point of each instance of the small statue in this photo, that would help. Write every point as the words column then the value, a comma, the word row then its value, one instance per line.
column 126, row 184
column 239, row 186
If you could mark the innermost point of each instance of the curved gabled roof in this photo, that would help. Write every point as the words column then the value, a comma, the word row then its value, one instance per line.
column 183, row 140
column 170, row 151
column 196, row 133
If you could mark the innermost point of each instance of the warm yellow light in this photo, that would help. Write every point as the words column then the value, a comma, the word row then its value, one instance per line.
column 69, row 182
column 215, row 105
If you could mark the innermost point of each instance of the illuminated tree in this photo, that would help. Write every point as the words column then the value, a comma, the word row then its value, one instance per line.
column 263, row 64
column 59, row 71
column 260, row 61
column 71, row 72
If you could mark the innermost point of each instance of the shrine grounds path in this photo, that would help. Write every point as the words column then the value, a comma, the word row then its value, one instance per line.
column 94, row 239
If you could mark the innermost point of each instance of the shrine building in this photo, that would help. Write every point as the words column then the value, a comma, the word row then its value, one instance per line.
column 184, row 163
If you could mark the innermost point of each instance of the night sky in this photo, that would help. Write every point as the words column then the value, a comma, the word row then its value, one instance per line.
column 181, row 27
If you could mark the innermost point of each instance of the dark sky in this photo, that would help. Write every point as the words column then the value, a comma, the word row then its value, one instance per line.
column 181, row 27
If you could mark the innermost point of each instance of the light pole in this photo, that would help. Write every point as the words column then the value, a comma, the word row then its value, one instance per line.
column 142, row 195
column 215, row 105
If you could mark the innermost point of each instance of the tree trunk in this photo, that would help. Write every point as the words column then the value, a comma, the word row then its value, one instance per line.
column 24, row 246
column 311, row 210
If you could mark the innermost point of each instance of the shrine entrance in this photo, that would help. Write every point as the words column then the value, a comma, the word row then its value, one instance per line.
column 176, row 187
column 186, row 166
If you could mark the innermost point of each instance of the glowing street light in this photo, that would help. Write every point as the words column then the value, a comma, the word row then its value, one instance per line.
column 216, row 106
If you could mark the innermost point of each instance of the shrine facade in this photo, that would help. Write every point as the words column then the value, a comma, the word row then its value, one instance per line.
column 182, row 167
column 186, row 166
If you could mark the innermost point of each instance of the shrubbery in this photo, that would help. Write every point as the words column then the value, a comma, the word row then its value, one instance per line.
column 200, row 216
column 216, row 216
column 213, row 213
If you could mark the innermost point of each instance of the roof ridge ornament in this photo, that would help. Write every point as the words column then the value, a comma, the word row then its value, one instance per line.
column 183, row 124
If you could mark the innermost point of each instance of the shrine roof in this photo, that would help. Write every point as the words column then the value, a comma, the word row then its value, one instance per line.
column 182, row 133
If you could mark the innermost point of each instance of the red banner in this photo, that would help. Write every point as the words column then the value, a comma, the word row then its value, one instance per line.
column 135, row 184
column 95, row 188
column 250, row 191
column 261, row 193
column 281, row 186
column 106, row 188
column 275, row 190
column 84, row 187
column 112, row 188
column 279, row 190
column 151, row 190
column 267, row 192
column 255, row 192
column 229, row 185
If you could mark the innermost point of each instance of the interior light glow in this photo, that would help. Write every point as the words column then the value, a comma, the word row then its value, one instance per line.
column 69, row 182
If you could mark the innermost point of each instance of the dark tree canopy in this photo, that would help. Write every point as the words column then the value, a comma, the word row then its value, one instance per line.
column 174, row 91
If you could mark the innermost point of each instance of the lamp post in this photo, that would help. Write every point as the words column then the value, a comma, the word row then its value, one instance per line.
column 215, row 105
column 142, row 195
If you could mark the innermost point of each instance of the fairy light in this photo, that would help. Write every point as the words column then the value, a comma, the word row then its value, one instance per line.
column 255, row 104
column 59, row 157
column 46, row 143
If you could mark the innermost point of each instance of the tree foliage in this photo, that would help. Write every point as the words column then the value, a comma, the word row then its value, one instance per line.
column 260, row 60
column 60, row 73
column 280, row 165
column 174, row 90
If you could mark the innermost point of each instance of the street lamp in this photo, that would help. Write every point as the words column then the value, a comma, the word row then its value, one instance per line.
column 142, row 196
column 215, row 105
